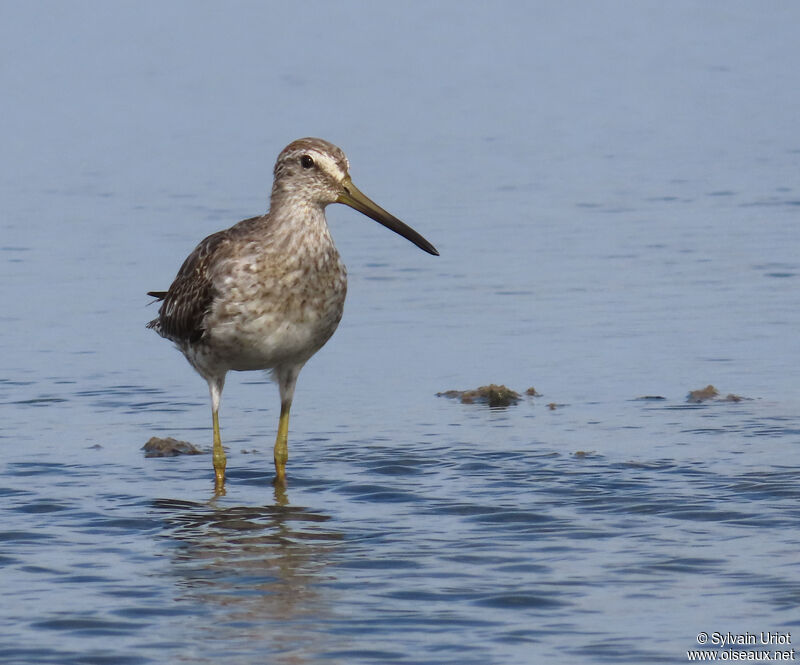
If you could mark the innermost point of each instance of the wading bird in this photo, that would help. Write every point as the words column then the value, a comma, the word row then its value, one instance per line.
column 267, row 293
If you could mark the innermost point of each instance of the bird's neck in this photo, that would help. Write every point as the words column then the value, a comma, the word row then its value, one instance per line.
column 300, row 223
column 286, row 199
column 287, row 208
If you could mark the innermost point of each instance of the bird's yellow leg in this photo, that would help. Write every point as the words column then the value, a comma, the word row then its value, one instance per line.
column 282, row 445
column 215, row 385
column 218, row 456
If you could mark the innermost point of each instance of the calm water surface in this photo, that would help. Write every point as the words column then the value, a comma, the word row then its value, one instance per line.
column 614, row 194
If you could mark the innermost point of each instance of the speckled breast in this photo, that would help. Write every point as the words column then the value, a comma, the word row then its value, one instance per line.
column 269, row 313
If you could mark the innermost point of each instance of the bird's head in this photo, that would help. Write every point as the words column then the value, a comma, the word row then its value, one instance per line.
column 318, row 172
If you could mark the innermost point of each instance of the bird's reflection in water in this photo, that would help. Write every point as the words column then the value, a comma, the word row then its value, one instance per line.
column 259, row 571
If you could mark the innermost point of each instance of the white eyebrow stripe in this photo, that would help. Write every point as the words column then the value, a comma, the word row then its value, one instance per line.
column 328, row 165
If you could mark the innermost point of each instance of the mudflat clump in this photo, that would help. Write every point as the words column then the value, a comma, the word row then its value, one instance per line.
column 168, row 447
column 493, row 395
column 702, row 394
column 710, row 393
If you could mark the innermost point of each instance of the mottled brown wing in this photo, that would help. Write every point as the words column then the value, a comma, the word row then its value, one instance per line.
column 188, row 301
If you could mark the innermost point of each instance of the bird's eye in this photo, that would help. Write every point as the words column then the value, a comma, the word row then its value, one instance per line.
column 306, row 162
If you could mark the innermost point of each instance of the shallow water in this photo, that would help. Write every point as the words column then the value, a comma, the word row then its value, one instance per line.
column 615, row 200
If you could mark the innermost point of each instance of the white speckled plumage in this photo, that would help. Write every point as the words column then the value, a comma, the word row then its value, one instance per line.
column 267, row 293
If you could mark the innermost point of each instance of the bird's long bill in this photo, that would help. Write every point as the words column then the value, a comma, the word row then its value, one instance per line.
column 353, row 197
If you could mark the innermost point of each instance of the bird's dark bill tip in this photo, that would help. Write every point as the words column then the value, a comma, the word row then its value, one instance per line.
column 431, row 250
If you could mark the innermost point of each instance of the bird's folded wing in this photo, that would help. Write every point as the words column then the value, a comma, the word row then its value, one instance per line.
column 188, row 301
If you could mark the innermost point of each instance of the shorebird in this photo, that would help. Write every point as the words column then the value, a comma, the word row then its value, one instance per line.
column 267, row 293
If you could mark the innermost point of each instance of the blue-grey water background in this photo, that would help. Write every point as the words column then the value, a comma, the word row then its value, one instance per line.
column 613, row 188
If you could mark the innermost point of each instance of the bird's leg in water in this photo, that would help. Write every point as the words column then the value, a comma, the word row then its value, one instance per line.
column 218, row 454
column 282, row 444
column 286, row 376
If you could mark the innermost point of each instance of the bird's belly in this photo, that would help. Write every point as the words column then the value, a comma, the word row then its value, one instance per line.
column 251, row 338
